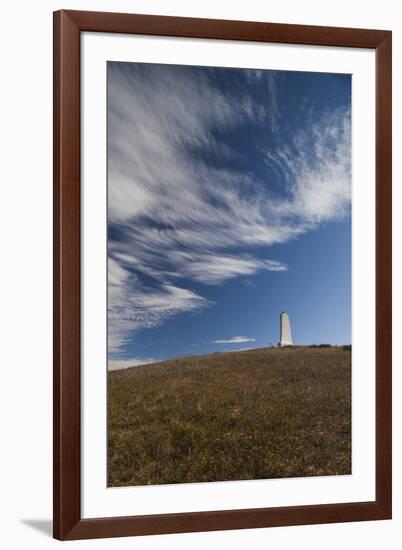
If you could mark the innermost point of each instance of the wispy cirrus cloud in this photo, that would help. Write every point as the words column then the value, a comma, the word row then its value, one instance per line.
column 234, row 340
column 217, row 268
column 181, row 216
column 317, row 166
column 133, row 306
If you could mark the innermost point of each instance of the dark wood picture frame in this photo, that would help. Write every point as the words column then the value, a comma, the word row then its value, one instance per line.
column 68, row 523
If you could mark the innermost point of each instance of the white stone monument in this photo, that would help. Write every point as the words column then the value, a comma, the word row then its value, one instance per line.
column 286, row 333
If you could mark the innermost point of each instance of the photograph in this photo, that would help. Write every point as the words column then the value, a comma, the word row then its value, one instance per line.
column 229, row 274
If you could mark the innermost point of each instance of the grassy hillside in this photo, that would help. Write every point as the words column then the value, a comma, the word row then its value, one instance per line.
column 254, row 414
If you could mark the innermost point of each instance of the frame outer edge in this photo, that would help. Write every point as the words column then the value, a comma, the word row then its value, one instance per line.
column 66, row 399
column 56, row 277
column 68, row 524
column 229, row 29
column 384, row 275
column 226, row 519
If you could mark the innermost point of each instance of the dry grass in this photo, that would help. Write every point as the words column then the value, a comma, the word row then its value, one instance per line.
column 265, row 413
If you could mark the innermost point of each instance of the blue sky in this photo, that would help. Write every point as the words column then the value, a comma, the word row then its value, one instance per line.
column 228, row 202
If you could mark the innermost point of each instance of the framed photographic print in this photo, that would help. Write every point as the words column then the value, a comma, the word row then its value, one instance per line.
column 222, row 268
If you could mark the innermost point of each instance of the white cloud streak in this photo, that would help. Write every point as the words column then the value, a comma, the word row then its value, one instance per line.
column 320, row 176
column 133, row 306
column 234, row 340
